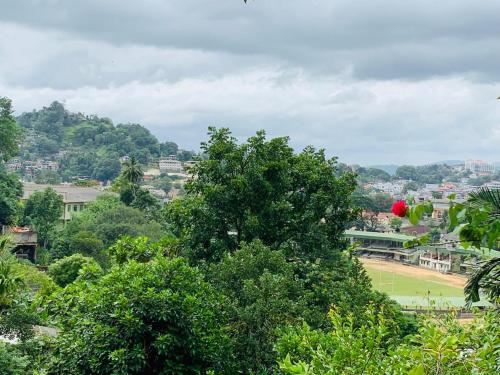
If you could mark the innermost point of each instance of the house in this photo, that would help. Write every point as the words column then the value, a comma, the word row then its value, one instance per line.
column 24, row 240
column 74, row 197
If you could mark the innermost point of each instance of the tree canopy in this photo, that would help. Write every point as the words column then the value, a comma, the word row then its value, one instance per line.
column 158, row 317
column 10, row 132
column 262, row 190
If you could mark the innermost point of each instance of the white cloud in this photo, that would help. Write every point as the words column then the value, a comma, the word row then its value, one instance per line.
column 365, row 122
column 372, row 83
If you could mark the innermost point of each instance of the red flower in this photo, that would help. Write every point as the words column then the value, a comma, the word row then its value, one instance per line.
column 399, row 208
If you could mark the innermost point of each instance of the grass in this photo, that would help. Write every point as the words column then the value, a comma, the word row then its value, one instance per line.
column 402, row 285
column 415, row 291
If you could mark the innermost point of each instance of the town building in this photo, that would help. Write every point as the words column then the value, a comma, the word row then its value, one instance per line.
column 440, row 260
column 479, row 166
column 170, row 164
column 24, row 240
column 74, row 197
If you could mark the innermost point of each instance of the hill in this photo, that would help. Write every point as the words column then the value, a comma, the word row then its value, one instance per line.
column 89, row 146
column 389, row 168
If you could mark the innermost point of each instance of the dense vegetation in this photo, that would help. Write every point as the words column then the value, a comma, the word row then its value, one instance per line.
column 248, row 273
column 89, row 146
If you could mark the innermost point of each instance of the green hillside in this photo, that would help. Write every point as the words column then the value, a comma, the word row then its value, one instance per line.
column 86, row 145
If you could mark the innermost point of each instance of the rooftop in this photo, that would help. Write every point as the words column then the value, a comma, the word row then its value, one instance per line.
column 396, row 237
column 70, row 194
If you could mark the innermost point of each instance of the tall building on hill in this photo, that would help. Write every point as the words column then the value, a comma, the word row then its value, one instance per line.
column 170, row 164
column 479, row 166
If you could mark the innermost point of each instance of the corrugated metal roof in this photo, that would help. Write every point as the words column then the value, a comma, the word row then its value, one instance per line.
column 396, row 237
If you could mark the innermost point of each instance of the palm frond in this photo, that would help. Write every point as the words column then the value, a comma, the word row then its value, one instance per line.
column 486, row 196
column 476, row 280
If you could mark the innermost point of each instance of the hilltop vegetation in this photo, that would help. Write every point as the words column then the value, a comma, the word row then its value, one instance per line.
column 88, row 145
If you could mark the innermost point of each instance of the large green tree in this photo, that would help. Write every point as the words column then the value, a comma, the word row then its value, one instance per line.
column 157, row 317
column 43, row 211
column 262, row 189
column 10, row 132
column 264, row 295
column 11, row 190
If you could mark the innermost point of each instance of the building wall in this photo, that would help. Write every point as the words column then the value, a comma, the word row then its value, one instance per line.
column 70, row 208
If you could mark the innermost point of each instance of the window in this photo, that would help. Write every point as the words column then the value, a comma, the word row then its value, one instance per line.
column 69, row 207
column 81, row 207
column 75, row 207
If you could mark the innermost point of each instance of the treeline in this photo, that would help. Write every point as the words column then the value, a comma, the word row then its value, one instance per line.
column 422, row 174
column 89, row 146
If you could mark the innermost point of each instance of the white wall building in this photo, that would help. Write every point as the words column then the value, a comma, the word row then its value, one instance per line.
column 479, row 166
column 170, row 164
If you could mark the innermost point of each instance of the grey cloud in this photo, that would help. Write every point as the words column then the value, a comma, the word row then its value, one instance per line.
column 371, row 82
column 382, row 39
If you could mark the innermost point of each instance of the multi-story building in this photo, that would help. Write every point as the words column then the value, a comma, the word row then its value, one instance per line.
column 440, row 261
column 170, row 164
column 479, row 166
column 74, row 197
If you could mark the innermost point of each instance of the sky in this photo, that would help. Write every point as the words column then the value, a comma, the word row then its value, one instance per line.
column 378, row 82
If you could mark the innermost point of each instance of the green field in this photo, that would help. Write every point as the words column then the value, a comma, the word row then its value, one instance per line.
column 414, row 291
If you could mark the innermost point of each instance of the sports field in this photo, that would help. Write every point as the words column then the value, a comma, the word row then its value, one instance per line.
column 415, row 286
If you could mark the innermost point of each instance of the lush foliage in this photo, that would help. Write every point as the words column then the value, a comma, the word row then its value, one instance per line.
column 441, row 346
column 11, row 190
column 425, row 174
column 263, row 295
column 158, row 317
column 66, row 270
column 10, row 133
column 42, row 211
column 100, row 225
column 91, row 146
column 261, row 189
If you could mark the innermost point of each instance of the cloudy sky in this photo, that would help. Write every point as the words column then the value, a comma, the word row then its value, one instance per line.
column 371, row 82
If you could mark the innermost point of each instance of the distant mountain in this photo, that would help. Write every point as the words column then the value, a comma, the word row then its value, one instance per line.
column 449, row 162
column 389, row 168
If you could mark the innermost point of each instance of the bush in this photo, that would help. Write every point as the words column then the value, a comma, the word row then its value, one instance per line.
column 11, row 361
column 66, row 270
column 264, row 295
column 158, row 317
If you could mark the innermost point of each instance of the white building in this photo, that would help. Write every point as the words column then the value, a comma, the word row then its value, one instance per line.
column 436, row 261
column 479, row 166
column 170, row 164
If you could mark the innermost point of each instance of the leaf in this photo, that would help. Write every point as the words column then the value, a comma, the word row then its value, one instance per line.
column 419, row 370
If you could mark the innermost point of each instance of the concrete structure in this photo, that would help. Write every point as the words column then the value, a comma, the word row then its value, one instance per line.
column 439, row 261
column 74, row 197
column 479, row 166
column 24, row 241
column 387, row 246
column 170, row 164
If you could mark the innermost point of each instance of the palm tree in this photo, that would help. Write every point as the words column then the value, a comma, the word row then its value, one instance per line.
column 487, row 276
column 132, row 172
